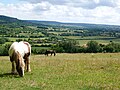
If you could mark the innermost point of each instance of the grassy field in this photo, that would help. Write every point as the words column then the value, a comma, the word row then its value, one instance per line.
column 65, row 72
column 100, row 39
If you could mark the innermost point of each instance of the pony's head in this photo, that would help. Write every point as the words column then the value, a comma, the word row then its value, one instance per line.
column 20, row 65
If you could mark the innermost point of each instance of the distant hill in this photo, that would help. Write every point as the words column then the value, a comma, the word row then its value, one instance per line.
column 14, row 21
column 45, row 22
column 79, row 25
column 6, row 20
column 46, row 33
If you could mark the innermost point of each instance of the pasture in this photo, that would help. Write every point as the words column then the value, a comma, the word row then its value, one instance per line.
column 99, row 71
column 100, row 39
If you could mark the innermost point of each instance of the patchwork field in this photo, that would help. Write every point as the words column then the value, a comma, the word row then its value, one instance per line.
column 100, row 39
column 99, row 71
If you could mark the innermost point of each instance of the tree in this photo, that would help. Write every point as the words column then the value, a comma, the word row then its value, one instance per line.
column 109, row 48
column 4, row 49
column 69, row 46
column 93, row 47
column 112, row 47
column 3, row 40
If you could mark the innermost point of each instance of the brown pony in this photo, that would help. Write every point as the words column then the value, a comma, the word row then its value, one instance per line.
column 50, row 52
column 19, row 54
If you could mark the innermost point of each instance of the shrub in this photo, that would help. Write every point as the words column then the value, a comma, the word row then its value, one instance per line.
column 3, row 40
column 4, row 50
column 93, row 47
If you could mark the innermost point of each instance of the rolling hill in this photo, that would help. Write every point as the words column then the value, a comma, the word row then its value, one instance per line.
column 46, row 34
column 14, row 21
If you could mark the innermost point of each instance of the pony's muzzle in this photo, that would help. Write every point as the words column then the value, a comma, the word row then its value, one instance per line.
column 20, row 71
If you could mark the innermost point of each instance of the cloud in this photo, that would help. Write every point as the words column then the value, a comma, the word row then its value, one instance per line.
column 16, row 10
column 84, row 11
column 109, row 3
column 87, row 4
column 42, row 6
column 54, row 2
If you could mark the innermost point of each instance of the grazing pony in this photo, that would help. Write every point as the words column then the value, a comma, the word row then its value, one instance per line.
column 50, row 52
column 19, row 53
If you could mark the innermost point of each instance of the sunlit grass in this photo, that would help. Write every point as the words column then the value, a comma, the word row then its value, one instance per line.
column 65, row 72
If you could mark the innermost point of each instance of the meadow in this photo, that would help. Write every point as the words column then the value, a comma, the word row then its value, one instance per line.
column 100, row 39
column 98, row 71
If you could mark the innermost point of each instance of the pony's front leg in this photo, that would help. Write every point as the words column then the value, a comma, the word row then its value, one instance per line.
column 27, row 65
column 13, row 67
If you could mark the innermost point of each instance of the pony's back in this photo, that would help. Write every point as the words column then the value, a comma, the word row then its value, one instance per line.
column 21, row 47
column 25, row 46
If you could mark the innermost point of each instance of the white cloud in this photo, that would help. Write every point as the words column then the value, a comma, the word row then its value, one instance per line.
column 88, row 4
column 42, row 6
column 84, row 11
column 16, row 10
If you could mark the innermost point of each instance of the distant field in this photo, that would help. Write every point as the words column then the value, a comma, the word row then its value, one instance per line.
column 81, row 40
column 65, row 72
column 99, row 39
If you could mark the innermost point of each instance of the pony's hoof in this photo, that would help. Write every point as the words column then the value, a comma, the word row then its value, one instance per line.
column 29, row 70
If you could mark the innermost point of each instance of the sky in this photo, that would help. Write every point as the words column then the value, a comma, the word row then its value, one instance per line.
column 73, row 11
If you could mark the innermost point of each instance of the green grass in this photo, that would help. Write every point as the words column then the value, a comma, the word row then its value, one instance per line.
column 65, row 72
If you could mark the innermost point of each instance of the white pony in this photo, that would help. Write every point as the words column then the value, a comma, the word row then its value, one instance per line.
column 19, row 54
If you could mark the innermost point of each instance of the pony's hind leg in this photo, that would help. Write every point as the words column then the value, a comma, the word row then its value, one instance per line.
column 27, row 64
column 54, row 54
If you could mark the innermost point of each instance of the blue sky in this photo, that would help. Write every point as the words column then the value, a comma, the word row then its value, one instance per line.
column 9, row 1
column 77, row 11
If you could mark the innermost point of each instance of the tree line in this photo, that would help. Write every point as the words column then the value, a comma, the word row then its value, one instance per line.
column 71, row 46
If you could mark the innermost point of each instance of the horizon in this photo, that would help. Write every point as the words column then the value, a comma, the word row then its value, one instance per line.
column 60, row 21
column 82, row 11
